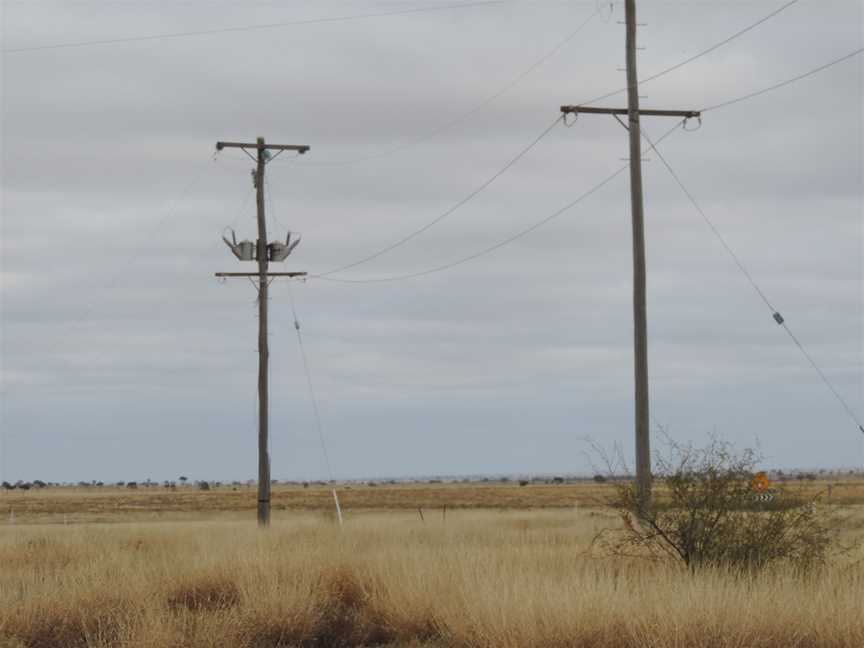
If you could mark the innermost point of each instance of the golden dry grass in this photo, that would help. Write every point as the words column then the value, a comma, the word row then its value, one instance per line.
column 110, row 504
column 481, row 578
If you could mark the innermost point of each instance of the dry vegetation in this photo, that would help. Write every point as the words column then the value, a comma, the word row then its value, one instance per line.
column 111, row 504
column 477, row 578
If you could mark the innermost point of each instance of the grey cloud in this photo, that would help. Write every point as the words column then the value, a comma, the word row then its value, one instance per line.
column 114, row 328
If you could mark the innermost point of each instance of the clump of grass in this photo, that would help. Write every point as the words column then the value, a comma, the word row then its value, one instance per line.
column 264, row 630
column 345, row 616
column 206, row 591
column 94, row 620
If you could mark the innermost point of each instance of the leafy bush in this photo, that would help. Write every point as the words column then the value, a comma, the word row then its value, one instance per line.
column 706, row 514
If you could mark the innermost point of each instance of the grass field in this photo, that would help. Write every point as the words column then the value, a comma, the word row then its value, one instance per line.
column 112, row 504
column 508, row 566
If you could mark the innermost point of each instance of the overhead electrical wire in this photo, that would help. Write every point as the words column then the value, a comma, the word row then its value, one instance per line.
column 470, row 196
column 539, row 224
column 472, row 111
column 690, row 59
column 483, row 186
column 275, row 25
column 778, row 318
column 804, row 75
column 518, row 235
column 448, row 125
column 444, row 127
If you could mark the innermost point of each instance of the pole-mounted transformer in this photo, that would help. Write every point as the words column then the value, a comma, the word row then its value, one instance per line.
column 247, row 250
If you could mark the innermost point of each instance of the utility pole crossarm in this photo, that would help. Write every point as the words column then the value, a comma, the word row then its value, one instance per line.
column 258, row 274
column 591, row 110
column 300, row 148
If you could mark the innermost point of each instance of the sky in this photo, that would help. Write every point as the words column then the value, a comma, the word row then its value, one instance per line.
column 124, row 358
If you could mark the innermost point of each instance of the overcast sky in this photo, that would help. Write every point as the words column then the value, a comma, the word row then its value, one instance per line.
column 123, row 357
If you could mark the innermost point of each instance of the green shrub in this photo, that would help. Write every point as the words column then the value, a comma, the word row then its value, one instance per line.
column 706, row 514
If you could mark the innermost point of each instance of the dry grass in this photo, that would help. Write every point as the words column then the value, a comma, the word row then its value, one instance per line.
column 481, row 578
column 110, row 504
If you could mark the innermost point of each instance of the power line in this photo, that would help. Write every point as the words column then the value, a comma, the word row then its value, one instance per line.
column 500, row 244
column 696, row 56
column 786, row 82
column 448, row 211
column 526, row 231
column 542, row 60
column 472, row 111
column 224, row 30
column 608, row 179
column 774, row 312
column 445, row 214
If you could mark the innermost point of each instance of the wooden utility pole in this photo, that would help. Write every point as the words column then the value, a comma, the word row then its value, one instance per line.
column 263, row 253
column 640, row 317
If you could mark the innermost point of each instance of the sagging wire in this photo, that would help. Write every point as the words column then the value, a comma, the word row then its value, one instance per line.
column 466, row 199
column 507, row 241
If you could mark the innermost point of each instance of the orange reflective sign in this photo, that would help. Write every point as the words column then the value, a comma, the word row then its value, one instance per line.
column 760, row 482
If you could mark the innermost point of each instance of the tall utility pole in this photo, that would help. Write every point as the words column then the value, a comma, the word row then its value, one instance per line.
column 640, row 317
column 264, row 253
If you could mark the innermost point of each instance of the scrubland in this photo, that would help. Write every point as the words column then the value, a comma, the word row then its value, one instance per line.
column 156, row 503
column 477, row 577
column 112, row 504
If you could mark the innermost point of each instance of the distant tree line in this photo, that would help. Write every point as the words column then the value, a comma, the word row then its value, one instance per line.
column 183, row 481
